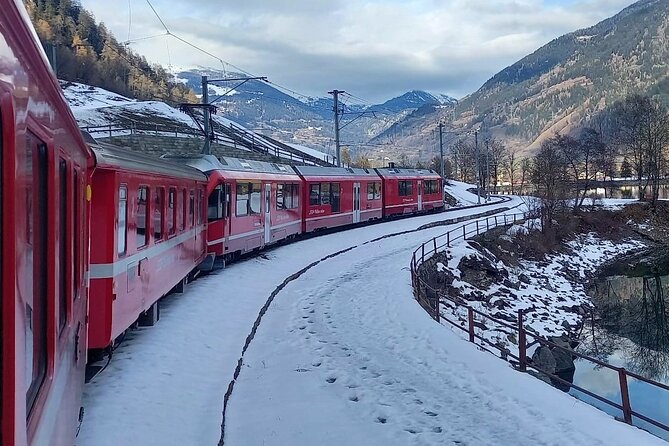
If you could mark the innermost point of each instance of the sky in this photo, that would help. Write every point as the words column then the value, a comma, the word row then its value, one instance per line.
column 374, row 49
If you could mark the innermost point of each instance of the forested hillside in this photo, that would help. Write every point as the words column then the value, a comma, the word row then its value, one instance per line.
column 87, row 52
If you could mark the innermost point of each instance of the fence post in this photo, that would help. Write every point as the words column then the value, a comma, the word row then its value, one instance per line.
column 625, row 396
column 522, row 343
column 504, row 219
column 487, row 224
column 496, row 220
column 448, row 239
column 434, row 240
column 422, row 257
column 470, row 321
column 464, row 231
column 110, row 130
column 477, row 227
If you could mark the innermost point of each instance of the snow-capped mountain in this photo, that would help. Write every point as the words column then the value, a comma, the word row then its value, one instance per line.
column 414, row 100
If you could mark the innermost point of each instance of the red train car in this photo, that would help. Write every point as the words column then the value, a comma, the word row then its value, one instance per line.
column 337, row 196
column 410, row 191
column 45, row 167
column 149, row 234
column 251, row 204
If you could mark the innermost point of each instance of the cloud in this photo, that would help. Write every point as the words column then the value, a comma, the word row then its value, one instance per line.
column 375, row 49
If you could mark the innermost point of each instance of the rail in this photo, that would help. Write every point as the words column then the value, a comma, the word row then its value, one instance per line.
column 432, row 299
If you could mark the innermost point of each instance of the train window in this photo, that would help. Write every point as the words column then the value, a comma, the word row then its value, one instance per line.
column 158, row 202
column 202, row 214
column 35, row 173
column 280, row 201
column 430, row 186
column 62, row 244
column 254, row 201
column 405, row 188
column 226, row 201
column 325, row 193
column 373, row 191
column 141, row 234
column 76, row 227
column 215, row 205
column 335, row 191
column 287, row 196
column 182, row 210
column 122, row 234
column 315, row 194
column 191, row 208
column 171, row 211
column 242, row 199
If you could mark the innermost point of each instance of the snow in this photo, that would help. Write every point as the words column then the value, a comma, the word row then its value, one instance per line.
column 460, row 191
column 343, row 355
column 313, row 152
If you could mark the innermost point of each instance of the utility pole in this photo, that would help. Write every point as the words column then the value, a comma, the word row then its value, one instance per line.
column 487, row 170
column 441, row 149
column 335, row 96
column 478, row 169
column 205, row 111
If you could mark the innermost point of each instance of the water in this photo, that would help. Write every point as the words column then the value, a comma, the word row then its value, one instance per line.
column 626, row 192
column 631, row 330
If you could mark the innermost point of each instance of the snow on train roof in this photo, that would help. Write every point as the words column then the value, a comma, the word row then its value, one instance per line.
column 312, row 171
column 208, row 163
column 400, row 171
column 115, row 157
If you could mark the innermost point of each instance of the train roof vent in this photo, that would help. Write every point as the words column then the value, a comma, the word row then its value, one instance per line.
column 279, row 167
column 223, row 161
column 366, row 170
column 245, row 165
column 350, row 170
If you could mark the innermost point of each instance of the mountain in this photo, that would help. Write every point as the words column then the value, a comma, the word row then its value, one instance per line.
column 414, row 100
column 303, row 120
column 567, row 82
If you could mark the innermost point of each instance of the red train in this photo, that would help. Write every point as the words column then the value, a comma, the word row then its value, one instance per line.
column 252, row 204
column 153, row 225
column 45, row 167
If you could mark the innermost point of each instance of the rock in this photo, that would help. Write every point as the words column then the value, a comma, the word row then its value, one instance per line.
column 564, row 361
column 509, row 284
column 480, row 272
column 523, row 278
column 543, row 358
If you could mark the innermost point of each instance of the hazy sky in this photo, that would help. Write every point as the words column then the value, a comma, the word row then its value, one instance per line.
column 374, row 49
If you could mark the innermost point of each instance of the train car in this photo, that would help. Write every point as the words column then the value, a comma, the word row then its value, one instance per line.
column 148, row 234
column 338, row 196
column 410, row 191
column 251, row 204
column 45, row 167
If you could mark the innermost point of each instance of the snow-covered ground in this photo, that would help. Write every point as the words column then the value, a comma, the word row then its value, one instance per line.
column 460, row 191
column 343, row 355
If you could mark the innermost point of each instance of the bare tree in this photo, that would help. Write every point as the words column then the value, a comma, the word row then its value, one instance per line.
column 511, row 163
column 497, row 154
column 525, row 173
column 550, row 177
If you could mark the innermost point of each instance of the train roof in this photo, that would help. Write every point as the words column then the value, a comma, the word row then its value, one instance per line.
column 109, row 156
column 317, row 171
column 210, row 163
column 397, row 172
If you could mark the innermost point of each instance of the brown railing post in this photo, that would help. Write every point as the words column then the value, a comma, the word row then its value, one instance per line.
column 470, row 320
column 434, row 240
column 448, row 239
column 464, row 231
column 625, row 396
column 422, row 257
column 110, row 130
column 487, row 224
column 477, row 227
column 504, row 219
column 496, row 220
column 522, row 343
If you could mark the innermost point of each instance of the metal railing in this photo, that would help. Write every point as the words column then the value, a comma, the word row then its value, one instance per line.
column 431, row 300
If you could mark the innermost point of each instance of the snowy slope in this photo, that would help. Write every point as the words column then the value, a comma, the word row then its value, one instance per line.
column 313, row 152
column 350, row 320
column 460, row 191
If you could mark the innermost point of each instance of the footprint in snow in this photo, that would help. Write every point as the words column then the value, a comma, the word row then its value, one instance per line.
column 331, row 379
column 382, row 420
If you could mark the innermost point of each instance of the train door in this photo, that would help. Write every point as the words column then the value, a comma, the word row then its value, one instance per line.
column 356, row 202
column 268, row 216
column 420, row 195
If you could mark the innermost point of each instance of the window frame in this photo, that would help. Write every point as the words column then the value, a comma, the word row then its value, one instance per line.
column 315, row 200
column 171, row 212
column 219, row 191
column 147, row 214
column 159, row 207
column 122, row 199
column 63, row 244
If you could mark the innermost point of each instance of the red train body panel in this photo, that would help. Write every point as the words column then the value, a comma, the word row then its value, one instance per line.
column 336, row 196
column 44, row 173
column 409, row 191
column 149, row 233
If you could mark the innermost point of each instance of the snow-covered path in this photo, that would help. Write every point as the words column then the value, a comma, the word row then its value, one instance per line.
column 345, row 356
column 165, row 384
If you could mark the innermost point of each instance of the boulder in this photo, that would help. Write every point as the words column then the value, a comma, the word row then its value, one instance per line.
column 543, row 358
